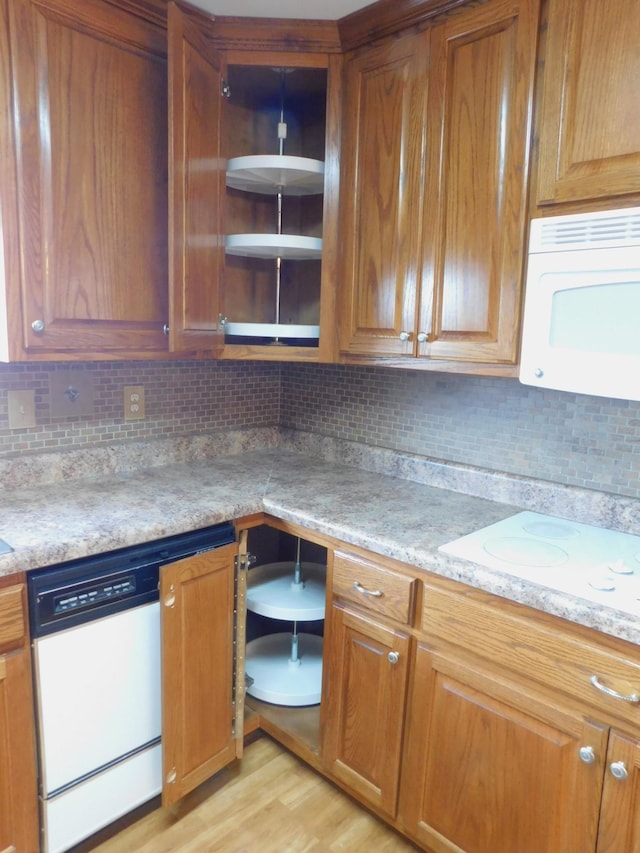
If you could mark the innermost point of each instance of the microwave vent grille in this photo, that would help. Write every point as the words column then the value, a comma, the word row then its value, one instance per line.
column 612, row 228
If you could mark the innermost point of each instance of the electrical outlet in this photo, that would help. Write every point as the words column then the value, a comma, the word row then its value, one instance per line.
column 22, row 409
column 133, row 402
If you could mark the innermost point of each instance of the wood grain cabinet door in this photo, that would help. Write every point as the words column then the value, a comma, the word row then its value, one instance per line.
column 365, row 689
column 478, row 138
column 589, row 119
column 197, row 173
column 196, row 605
column 491, row 767
column 384, row 108
column 90, row 110
column 619, row 830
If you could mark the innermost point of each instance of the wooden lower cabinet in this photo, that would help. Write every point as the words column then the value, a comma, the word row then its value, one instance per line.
column 619, row 830
column 364, row 700
column 197, row 607
column 18, row 785
column 491, row 766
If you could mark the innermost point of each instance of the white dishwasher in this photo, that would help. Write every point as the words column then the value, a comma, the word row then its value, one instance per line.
column 97, row 673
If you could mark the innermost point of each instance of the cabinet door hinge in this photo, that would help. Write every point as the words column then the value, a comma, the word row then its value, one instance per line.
column 225, row 89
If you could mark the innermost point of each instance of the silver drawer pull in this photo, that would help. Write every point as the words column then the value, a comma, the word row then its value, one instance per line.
column 376, row 593
column 634, row 698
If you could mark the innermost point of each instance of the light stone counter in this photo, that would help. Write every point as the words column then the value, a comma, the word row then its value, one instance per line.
column 51, row 522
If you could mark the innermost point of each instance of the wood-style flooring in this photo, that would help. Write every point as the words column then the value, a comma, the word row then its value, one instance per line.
column 270, row 802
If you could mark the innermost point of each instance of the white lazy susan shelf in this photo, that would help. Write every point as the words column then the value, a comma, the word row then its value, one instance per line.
column 270, row 174
column 286, row 668
column 290, row 247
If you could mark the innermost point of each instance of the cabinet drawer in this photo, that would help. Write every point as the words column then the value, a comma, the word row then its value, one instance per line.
column 555, row 655
column 12, row 621
column 374, row 587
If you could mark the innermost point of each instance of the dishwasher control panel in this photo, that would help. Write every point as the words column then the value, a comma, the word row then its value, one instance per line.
column 90, row 595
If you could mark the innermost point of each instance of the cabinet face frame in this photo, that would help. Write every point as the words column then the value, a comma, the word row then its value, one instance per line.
column 96, row 288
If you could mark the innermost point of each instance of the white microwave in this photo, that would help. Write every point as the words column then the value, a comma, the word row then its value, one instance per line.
column 581, row 327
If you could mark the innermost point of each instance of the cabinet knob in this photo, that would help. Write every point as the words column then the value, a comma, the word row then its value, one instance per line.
column 538, row 373
column 165, row 329
column 422, row 337
column 618, row 770
column 38, row 326
column 404, row 336
column 587, row 754
column 393, row 657
column 171, row 776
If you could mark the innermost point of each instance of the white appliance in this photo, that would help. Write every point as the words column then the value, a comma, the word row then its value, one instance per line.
column 581, row 328
column 593, row 563
column 96, row 650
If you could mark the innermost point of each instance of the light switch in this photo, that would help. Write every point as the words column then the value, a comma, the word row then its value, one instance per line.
column 22, row 409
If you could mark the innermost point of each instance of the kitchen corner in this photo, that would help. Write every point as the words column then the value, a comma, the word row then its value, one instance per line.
column 392, row 504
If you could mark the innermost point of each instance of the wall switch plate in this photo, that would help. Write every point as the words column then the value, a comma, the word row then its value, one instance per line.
column 133, row 402
column 70, row 393
column 22, row 409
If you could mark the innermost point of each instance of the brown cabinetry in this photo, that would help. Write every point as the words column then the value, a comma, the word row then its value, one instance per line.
column 436, row 131
column 18, row 787
column 510, row 744
column 589, row 122
column 197, row 607
column 367, row 668
column 85, row 211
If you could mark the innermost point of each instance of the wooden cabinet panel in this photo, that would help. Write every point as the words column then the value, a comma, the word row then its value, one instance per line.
column 90, row 106
column 18, row 785
column 197, row 604
column 619, row 830
column 384, row 107
column 559, row 659
column 480, row 95
column 490, row 767
column 364, row 706
column 437, row 137
column 589, row 122
column 374, row 587
column 197, row 185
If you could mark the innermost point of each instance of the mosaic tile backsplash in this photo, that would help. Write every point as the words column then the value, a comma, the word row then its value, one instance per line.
column 496, row 424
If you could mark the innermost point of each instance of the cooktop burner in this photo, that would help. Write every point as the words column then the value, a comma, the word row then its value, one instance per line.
column 600, row 565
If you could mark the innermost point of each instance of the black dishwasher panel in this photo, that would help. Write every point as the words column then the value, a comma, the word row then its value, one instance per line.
column 79, row 591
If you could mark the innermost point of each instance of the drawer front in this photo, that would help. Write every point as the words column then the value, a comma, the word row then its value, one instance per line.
column 374, row 587
column 12, row 620
column 547, row 653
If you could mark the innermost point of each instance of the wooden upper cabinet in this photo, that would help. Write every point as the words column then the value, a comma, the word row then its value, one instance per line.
column 589, row 121
column 474, row 222
column 196, row 185
column 383, row 136
column 437, row 129
column 89, row 100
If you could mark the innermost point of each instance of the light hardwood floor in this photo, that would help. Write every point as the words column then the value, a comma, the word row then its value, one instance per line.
column 270, row 802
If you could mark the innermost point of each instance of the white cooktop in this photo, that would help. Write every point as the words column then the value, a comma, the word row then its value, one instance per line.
column 599, row 565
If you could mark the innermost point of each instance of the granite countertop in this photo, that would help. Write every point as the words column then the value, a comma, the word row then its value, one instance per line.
column 400, row 518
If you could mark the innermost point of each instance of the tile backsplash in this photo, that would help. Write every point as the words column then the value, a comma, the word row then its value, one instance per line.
column 499, row 424
column 496, row 424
